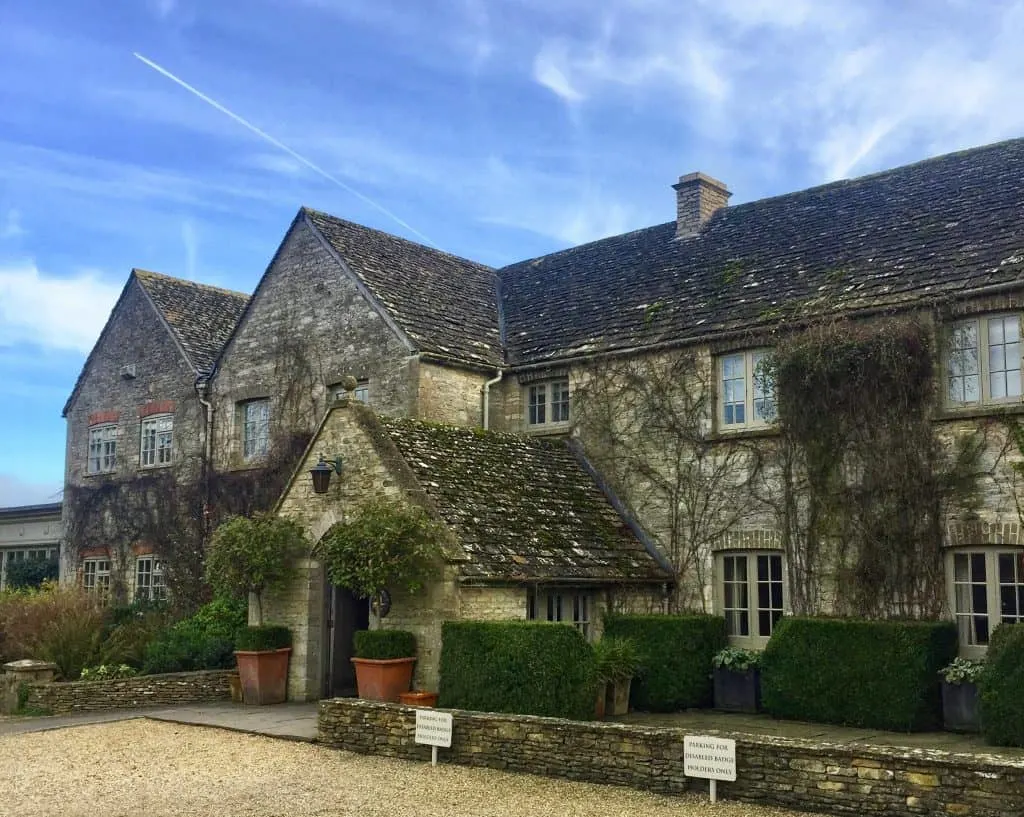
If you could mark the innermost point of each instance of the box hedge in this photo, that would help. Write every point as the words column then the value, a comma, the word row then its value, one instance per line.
column 384, row 645
column 675, row 658
column 522, row 667
column 875, row 674
column 1002, row 682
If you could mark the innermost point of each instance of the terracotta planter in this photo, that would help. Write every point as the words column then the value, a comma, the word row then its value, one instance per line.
column 235, row 686
column 960, row 707
column 264, row 675
column 737, row 691
column 418, row 698
column 599, row 704
column 383, row 680
column 618, row 697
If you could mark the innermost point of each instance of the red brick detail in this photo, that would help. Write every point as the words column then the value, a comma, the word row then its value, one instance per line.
column 98, row 417
column 143, row 549
column 95, row 553
column 158, row 407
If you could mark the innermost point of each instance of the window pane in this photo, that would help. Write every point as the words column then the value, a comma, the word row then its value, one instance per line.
column 977, row 567
column 734, row 389
column 538, row 405
column 962, row 367
column 960, row 573
column 1004, row 357
column 560, row 401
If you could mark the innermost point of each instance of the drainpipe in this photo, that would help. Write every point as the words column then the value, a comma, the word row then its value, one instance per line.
column 487, row 396
column 201, row 391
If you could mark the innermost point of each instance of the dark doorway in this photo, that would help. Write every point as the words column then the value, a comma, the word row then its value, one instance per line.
column 345, row 614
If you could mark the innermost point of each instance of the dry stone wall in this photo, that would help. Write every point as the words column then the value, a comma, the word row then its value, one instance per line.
column 128, row 693
column 799, row 774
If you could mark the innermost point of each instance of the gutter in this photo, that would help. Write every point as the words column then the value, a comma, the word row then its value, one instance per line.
column 486, row 389
column 201, row 391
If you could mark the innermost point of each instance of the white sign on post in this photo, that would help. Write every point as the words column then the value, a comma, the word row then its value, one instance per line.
column 433, row 729
column 709, row 757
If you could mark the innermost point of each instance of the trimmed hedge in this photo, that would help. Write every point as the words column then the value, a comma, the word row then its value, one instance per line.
column 521, row 667
column 262, row 638
column 875, row 674
column 1002, row 681
column 675, row 658
column 382, row 645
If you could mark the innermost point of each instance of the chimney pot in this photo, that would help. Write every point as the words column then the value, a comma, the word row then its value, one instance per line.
column 698, row 197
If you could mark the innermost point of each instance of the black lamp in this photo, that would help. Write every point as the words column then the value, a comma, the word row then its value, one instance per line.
column 321, row 473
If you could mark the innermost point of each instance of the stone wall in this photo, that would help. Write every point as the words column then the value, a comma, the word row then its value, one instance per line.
column 128, row 693
column 791, row 773
column 450, row 395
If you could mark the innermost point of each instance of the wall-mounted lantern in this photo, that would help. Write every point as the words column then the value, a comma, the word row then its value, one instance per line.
column 321, row 473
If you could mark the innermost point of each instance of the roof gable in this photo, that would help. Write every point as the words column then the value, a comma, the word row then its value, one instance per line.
column 446, row 305
column 201, row 317
column 937, row 228
column 524, row 509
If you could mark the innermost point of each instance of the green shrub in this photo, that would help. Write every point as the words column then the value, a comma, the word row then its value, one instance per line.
column 108, row 672
column 1002, row 705
column 524, row 667
column 55, row 623
column 384, row 644
column 222, row 618
column 31, row 572
column 206, row 640
column 675, row 658
column 963, row 671
column 736, row 659
column 262, row 638
column 616, row 659
column 875, row 674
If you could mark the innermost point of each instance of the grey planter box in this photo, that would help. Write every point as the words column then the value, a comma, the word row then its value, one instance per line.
column 960, row 707
column 737, row 691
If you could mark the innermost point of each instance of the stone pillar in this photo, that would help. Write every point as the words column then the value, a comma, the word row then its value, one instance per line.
column 25, row 671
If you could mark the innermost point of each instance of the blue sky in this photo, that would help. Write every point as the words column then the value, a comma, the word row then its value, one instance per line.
column 501, row 129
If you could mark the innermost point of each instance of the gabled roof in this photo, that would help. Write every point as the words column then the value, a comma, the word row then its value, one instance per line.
column 202, row 317
column 936, row 228
column 524, row 509
column 445, row 304
column 199, row 317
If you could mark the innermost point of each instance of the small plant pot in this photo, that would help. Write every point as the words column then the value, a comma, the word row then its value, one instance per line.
column 235, row 687
column 960, row 707
column 383, row 679
column 737, row 691
column 618, row 697
column 263, row 675
column 418, row 698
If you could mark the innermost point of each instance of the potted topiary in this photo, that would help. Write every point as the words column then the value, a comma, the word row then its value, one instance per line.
column 251, row 556
column 384, row 660
column 616, row 661
column 960, row 695
column 737, row 680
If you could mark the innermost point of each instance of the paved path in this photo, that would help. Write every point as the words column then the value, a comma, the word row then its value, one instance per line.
column 289, row 721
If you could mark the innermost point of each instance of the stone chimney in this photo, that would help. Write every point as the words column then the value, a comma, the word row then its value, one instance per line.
column 698, row 197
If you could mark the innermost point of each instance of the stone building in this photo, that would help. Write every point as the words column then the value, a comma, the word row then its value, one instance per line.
column 28, row 532
column 434, row 337
column 137, row 429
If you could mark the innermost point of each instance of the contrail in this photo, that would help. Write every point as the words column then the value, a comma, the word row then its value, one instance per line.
column 298, row 157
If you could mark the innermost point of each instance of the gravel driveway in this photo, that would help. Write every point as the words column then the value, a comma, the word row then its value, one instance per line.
column 143, row 767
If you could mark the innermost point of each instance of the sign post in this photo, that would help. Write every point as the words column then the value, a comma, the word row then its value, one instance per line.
column 433, row 729
column 711, row 758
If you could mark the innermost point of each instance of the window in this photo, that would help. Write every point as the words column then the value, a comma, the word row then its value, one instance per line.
column 11, row 557
column 569, row 608
column 255, row 428
column 155, row 445
column 102, row 449
column 149, row 579
column 747, row 393
column 751, row 589
column 96, row 576
column 983, row 361
column 988, row 590
column 547, row 404
column 361, row 392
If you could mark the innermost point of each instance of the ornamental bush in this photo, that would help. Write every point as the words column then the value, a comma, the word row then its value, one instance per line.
column 1002, row 705
column 522, row 667
column 263, row 638
column 382, row 645
column 675, row 658
column 854, row 672
column 204, row 641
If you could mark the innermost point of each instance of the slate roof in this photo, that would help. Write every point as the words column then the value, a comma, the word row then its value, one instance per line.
column 202, row 317
column 524, row 509
column 446, row 305
column 936, row 228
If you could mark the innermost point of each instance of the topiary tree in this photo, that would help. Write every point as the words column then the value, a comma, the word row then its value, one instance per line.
column 385, row 544
column 252, row 555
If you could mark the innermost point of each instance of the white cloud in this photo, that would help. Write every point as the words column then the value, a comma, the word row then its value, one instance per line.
column 53, row 313
column 550, row 69
column 163, row 8
column 16, row 491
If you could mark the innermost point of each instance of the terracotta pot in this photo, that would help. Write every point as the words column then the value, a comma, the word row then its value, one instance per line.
column 599, row 704
column 264, row 675
column 418, row 698
column 235, row 686
column 618, row 697
column 383, row 679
